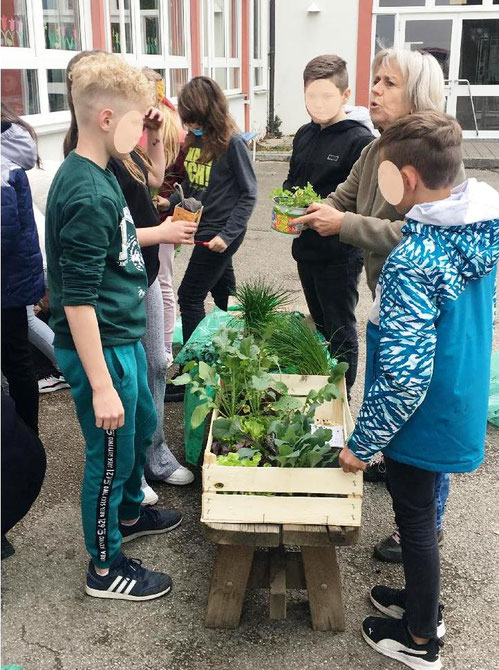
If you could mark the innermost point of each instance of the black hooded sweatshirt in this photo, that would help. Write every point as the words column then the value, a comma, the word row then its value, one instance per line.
column 324, row 158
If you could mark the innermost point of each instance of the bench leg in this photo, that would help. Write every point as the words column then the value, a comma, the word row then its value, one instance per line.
column 228, row 586
column 322, row 576
column 277, row 605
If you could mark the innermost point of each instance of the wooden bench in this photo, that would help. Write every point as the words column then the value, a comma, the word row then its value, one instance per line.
column 241, row 562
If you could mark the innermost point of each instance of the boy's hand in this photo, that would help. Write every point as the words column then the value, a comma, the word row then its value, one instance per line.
column 163, row 204
column 217, row 244
column 322, row 218
column 177, row 232
column 108, row 408
column 153, row 119
column 349, row 462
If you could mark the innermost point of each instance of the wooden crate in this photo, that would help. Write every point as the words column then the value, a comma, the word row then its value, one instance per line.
column 325, row 496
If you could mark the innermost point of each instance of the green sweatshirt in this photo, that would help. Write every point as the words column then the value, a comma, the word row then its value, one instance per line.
column 93, row 256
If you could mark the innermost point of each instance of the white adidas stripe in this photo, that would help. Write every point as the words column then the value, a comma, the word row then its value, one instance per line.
column 115, row 583
column 122, row 586
column 130, row 587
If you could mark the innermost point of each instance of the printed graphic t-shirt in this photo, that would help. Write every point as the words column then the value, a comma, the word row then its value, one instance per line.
column 93, row 256
column 139, row 201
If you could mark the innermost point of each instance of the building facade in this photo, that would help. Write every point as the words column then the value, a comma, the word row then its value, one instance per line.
column 462, row 34
column 224, row 39
column 229, row 41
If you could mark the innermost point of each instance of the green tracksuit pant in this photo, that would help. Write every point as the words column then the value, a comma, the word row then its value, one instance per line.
column 114, row 460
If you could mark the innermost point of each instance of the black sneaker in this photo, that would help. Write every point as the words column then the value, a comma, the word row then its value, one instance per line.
column 7, row 548
column 152, row 521
column 127, row 580
column 392, row 603
column 391, row 638
column 375, row 472
column 390, row 551
column 174, row 393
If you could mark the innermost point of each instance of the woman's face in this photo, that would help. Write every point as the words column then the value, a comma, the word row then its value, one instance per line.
column 388, row 101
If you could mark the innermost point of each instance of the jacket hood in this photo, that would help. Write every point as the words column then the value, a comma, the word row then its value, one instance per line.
column 359, row 114
column 356, row 116
column 466, row 224
column 18, row 147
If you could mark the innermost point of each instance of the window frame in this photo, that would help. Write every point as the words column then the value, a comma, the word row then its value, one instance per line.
column 262, row 35
column 454, row 86
column 37, row 57
column 161, row 61
column 430, row 4
column 212, row 62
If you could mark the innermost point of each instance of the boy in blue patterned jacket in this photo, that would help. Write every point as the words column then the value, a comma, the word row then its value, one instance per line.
column 428, row 363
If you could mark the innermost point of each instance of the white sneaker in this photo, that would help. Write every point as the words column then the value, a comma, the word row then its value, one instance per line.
column 52, row 383
column 150, row 495
column 180, row 477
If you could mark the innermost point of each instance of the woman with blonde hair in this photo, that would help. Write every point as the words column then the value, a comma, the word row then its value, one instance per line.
column 404, row 82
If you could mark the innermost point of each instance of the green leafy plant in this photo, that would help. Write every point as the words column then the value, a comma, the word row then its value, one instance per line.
column 235, row 458
column 296, row 197
column 259, row 302
column 240, row 378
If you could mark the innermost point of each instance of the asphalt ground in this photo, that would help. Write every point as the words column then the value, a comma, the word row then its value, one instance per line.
column 49, row 623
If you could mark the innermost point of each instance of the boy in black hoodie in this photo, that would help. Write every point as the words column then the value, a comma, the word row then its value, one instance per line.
column 324, row 152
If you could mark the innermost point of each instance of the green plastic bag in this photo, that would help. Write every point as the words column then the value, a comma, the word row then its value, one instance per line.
column 193, row 437
column 178, row 339
column 493, row 413
column 199, row 346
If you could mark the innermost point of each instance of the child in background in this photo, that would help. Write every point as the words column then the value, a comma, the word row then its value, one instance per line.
column 97, row 283
column 135, row 174
column 22, row 271
column 219, row 174
column 161, row 465
column 431, row 324
column 324, row 152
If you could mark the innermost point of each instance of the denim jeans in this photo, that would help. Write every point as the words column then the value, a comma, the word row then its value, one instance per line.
column 413, row 494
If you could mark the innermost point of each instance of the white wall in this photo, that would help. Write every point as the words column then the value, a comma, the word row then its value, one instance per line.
column 300, row 36
column 50, row 146
column 259, row 111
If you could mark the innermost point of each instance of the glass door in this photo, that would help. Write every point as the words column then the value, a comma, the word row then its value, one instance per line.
column 467, row 48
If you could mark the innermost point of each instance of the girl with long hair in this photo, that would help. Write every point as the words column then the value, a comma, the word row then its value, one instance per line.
column 220, row 174
column 144, row 169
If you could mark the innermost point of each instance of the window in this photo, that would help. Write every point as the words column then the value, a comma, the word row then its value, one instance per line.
column 385, row 32
column 458, row 2
column 152, row 33
column 486, row 110
column 222, row 42
column 401, row 3
column 120, row 17
column 38, row 39
column 61, row 25
column 14, row 24
column 258, row 62
column 433, row 37
column 20, row 91
column 479, row 60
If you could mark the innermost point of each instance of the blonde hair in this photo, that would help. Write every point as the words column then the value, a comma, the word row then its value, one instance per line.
column 422, row 74
column 107, row 75
column 170, row 128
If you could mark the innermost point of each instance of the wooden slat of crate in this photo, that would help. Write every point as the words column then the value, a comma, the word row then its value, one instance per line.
column 220, row 478
column 281, row 509
column 249, row 534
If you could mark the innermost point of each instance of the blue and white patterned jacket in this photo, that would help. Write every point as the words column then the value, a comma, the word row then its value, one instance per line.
column 430, row 337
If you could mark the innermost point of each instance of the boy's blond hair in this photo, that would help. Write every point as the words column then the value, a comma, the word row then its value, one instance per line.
column 104, row 75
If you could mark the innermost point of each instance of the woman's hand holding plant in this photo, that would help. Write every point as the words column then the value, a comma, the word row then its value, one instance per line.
column 322, row 218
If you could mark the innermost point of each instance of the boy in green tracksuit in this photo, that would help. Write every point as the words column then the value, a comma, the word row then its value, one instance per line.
column 97, row 282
